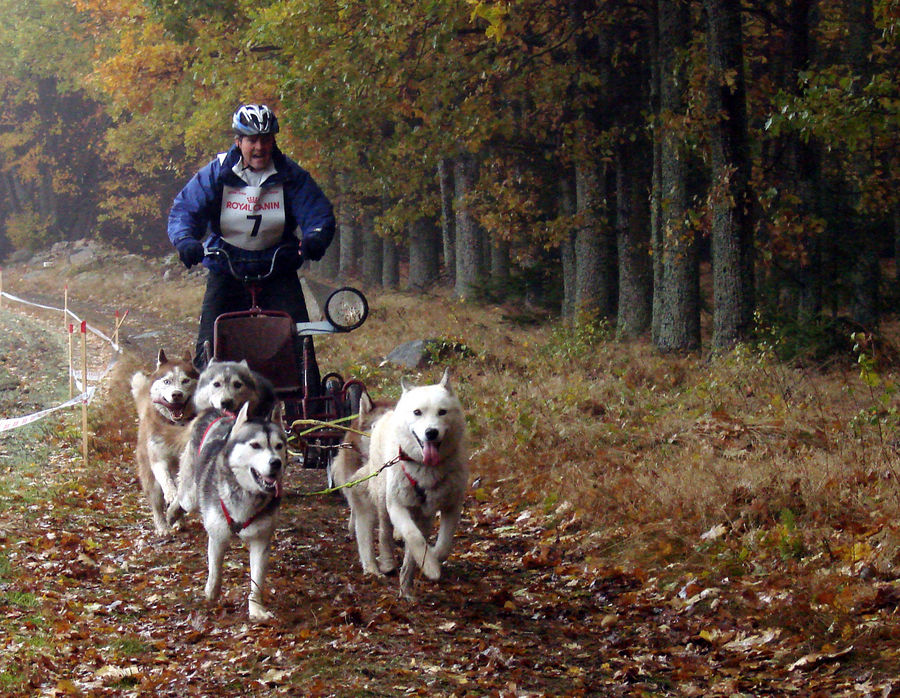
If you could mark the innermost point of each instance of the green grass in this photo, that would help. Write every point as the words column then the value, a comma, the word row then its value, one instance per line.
column 129, row 645
column 20, row 599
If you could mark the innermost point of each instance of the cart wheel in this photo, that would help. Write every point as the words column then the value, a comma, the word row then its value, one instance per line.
column 346, row 308
column 353, row 393
column 333, row 383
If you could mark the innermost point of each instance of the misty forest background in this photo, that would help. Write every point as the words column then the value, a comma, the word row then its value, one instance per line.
column 568, row 157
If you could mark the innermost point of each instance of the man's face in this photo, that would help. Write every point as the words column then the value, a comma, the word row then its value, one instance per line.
column 256, row 151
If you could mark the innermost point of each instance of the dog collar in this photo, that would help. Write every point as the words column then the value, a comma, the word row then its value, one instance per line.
column 236, row 526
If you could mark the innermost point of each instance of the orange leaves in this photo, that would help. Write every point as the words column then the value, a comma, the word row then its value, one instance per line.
column 140, row 70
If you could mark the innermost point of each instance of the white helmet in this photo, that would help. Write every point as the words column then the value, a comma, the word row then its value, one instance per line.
column 253, row 120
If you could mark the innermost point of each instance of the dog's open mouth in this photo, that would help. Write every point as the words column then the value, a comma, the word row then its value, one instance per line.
column 176, row 409
column 272, row 485
column 430, row 455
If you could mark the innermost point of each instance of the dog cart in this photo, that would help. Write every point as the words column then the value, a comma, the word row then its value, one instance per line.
column 282, row 351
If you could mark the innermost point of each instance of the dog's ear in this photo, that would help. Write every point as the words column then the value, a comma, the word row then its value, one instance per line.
column 277, row 415
column 160, row 358
column 244, row 363
column 365, row 404
column 445, row 381
column 187, row 356
column 241, row 417
column 207, row 352
column 405, row 384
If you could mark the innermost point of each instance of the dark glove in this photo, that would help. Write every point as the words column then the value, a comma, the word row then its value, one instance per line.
column 190, row 251
column 312, row 249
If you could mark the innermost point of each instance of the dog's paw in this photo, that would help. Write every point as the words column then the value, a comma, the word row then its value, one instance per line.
column 212, row 592
column 372, row 570
column 174, row 513
column 386, row 565
column 259, row 613
column 431, row 565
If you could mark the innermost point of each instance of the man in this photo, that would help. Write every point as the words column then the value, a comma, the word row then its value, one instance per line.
column 250, row 202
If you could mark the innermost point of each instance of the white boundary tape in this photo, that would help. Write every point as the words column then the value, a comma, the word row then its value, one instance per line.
column 74, row 317
column 87, row 394
column 16, row 422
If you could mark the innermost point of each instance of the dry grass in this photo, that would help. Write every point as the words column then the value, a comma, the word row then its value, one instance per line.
column 643, row 449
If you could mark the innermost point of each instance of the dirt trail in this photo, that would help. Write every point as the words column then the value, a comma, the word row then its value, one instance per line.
column 93, row 603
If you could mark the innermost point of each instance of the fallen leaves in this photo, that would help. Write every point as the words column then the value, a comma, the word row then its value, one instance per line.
column 530, row 602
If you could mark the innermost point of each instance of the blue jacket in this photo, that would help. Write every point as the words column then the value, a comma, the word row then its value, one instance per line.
column 195, row 212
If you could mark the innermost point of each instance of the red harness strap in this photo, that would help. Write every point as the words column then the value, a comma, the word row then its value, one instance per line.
column 236, row 526
column 419, row 490
column 225, row 415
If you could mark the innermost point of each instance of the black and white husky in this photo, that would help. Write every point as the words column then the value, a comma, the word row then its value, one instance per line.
column 231, row 473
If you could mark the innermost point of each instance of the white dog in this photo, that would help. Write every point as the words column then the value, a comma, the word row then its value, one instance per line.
column 423, row 438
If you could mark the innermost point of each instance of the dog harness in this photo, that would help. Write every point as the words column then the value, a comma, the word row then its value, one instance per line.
column 225, row 415
column 236, row 526
column 421, row 492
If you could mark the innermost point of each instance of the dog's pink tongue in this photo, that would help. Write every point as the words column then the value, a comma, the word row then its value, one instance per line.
column 278, row 488
column 430, row 453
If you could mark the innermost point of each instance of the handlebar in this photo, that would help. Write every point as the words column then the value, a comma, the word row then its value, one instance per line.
column 345, row 309
column 247, row 279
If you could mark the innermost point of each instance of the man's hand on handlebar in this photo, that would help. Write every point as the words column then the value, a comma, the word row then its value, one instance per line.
column 288, row 248
column 190, row 252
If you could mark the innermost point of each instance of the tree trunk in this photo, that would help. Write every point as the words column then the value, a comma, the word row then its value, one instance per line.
column 633, row 236
column 469, row 239
column 867, row 271
column 500, row 267
column 390, row 269
column 591, row 287
column 349, row 239
column 679, row 324
column 448, row 218
column 657, row 242
column 371, row 252
column 732, row 228
column 424, row 254
column 567, row 247
column 804, row 161
column 329, row 265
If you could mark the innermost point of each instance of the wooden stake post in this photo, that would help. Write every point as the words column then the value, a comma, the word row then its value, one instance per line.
column 119, row 322
column 71, row 362
column 84, row 387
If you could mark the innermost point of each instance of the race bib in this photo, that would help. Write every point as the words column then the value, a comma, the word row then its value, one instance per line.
column 252, row 218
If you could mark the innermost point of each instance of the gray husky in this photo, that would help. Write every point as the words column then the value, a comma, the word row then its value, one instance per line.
column 226, row 385
column 231, row 473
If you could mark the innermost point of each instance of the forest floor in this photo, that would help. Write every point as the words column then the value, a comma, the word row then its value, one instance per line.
column 537, row 598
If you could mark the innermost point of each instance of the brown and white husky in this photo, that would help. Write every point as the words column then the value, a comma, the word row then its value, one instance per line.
column 164, row 407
